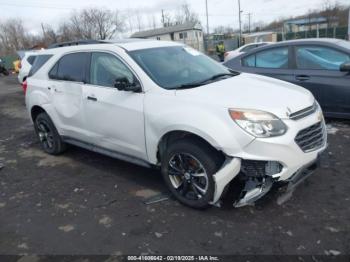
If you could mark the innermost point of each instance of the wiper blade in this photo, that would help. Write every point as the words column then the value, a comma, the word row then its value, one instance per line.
column 187, row 86
column 196, row 84
column 220, row 75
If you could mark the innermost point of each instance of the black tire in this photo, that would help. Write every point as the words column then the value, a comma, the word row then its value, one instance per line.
column 51, row 142
column 208, row 158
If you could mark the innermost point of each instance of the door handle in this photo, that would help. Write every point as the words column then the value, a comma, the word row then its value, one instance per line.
column 302, row 77
column 57, row 90
column 92, row 98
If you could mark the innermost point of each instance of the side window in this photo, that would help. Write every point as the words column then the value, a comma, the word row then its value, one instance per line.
column 31, row 59
column 249, row 61
column 38, row 63
column 273, row 58
column 318, row 57
column 106, row 69
column 72, row 67
column 53, row 72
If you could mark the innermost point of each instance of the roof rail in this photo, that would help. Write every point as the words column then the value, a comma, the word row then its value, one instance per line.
column 78, row 42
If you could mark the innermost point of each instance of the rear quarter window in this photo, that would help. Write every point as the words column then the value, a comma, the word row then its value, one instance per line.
column 38, row 63
column 31, row 59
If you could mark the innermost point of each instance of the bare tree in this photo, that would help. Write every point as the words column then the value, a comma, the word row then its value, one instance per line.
column 139, row 20
column 330, row 11
column 167, row 19
column 13, row 36
column 107, row 23
column 49, row 34
column 223, row 30
column 152, row 21
column 186, row 14
column 94, row 23
column 219, row 30
column 65, row 33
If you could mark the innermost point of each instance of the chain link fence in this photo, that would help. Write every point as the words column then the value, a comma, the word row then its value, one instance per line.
column 334, row 32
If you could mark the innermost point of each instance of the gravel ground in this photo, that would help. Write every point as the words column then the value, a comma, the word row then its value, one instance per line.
column 84, row 203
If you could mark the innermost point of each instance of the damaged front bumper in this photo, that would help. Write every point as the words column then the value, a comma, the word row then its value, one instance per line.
column 224, row 176
column 286, row 160
column 257, row 178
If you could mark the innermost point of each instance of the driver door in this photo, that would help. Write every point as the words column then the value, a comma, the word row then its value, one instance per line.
column 114, row 118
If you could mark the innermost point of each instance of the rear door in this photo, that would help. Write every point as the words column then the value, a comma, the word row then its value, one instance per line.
column 272, row 62
column 115, row 119
column 67, row 79
column 317, row 69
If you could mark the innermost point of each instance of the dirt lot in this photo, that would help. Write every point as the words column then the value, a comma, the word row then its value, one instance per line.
column 85, row 203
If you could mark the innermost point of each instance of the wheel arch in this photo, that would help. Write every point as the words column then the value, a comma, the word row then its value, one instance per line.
column 174, row 135
column 35, row 111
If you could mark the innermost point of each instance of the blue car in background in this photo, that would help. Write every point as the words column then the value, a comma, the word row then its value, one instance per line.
column 319, row 65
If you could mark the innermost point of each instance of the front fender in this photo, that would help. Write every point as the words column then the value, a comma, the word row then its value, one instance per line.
column 211, row 123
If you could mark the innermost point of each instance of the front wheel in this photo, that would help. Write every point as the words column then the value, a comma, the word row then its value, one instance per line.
column 188, row 167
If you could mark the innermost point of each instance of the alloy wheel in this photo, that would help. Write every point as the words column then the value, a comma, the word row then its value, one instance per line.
column 188, row 176
column 45, row 135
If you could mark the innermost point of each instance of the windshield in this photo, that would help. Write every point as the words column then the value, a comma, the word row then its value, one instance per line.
column 177, row 66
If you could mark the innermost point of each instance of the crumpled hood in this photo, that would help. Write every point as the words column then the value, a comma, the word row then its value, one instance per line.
column 249, row 91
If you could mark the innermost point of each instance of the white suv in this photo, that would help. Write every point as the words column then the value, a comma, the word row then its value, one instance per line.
column 26, row 64
column 163, row 104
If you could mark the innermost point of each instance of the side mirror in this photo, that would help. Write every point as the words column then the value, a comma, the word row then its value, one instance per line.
column 123, row 84
column 345, row 67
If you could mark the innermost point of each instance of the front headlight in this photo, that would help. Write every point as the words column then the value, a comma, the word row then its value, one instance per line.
column 258, row 123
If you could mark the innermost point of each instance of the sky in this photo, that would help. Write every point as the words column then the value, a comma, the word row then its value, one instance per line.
column 221, row 12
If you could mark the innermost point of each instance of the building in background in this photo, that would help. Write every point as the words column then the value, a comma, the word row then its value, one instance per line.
column 307, row 24
column 259, row 37
column 190, row 33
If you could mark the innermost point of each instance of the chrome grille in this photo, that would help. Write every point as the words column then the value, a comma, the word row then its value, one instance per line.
column 304, row 112
column 311, row 138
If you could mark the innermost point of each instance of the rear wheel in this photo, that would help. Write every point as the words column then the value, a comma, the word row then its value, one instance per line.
column 188, row 167
column 46, row 131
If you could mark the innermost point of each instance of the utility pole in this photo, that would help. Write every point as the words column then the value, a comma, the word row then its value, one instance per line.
column 249, row 17
column 163, row 21
column 206, row 8
column 240, row 23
